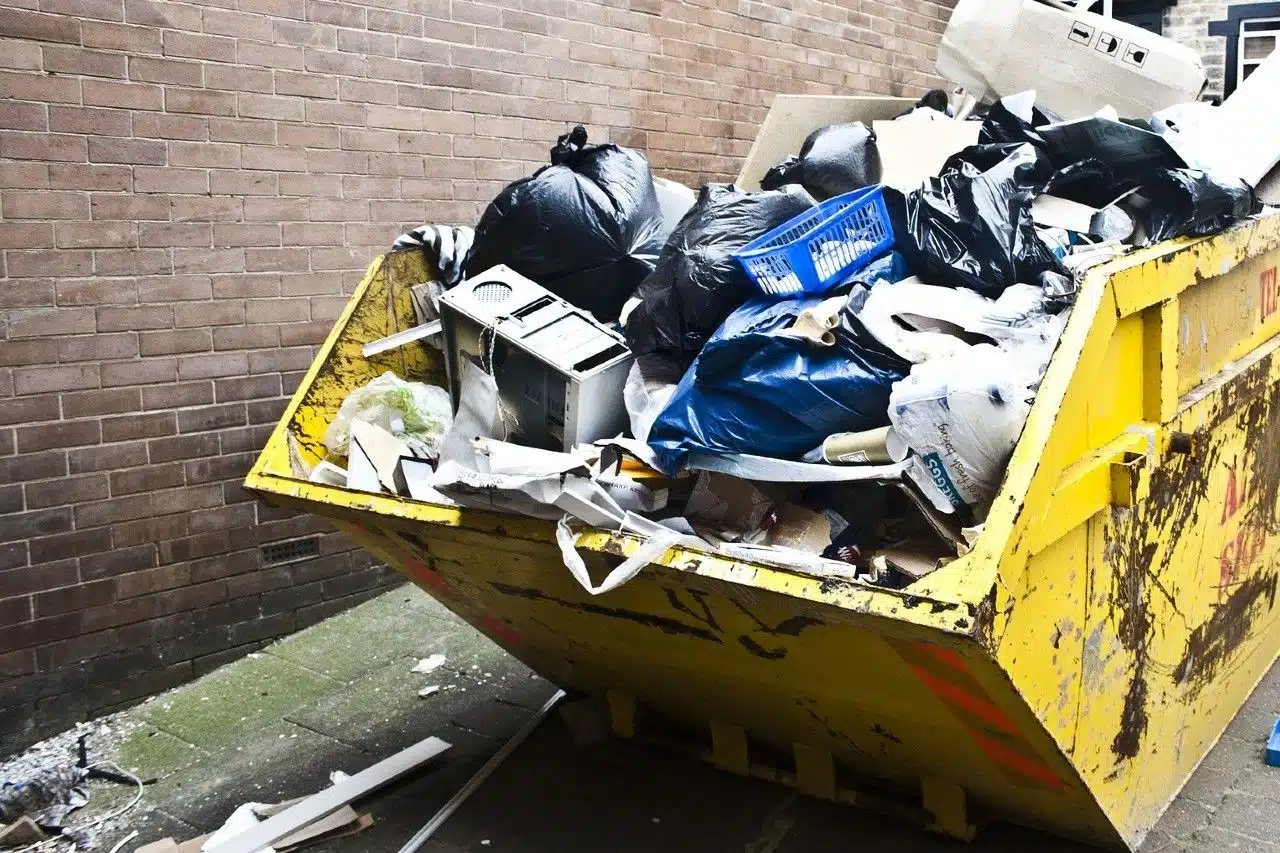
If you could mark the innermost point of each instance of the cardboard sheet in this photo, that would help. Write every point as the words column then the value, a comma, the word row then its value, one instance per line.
column 912, row 150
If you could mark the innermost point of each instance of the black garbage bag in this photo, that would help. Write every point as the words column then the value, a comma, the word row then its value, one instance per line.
column 697, row 281
column 971, row 226
column 1188, row 202
column 834, row 160
column 588, row 227
column 1015, row 119
column 752, row 390
column 934, row 99
column 1090, row 182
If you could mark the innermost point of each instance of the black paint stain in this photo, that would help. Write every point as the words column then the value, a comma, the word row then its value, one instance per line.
column 706, row 617
column 662, row 623
column 759, row 650
column 885, row 733
column 1213, row 642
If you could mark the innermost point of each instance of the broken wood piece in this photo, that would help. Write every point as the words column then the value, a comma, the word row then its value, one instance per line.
column 20, row 833
column 326, row 802
column 399, row 339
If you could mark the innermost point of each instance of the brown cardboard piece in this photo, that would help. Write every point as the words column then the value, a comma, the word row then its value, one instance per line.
column 800, row 529
column 21, row 832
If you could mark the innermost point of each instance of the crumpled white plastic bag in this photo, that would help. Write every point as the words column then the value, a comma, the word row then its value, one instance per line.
column 414, row 412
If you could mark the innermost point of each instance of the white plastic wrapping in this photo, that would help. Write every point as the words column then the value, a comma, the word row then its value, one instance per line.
column 416, row 413
column 649, row 386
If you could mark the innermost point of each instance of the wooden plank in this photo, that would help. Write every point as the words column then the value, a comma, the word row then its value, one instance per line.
column 328, row 801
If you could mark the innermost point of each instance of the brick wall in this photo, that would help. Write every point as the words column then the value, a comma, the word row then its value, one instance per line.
column 187, row 195
column 1188, row 23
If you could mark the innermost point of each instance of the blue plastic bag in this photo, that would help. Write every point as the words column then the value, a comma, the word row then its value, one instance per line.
column 753, row 391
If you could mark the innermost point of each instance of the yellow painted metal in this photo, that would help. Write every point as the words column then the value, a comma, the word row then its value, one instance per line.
column 1069, row 673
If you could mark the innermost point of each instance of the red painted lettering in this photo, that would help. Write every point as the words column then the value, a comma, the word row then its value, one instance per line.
column 1235, row 495
column 1268, row 292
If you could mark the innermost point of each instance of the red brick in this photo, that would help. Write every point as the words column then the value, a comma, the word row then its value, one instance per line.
column 79, row 60
column 208, row 260
column 199, row 101
column 216, row 469
column 34, row 466
column 214, row 48
column 276, row 259
column 78, row 597
column 306, row 84
column 235, row 78
column 309, row 136
column 95, row 235
column 33, row 176
column 134, row 151
column 20, row 55
column 273, row 158
column 43, row 322
column 106, row 10
column 21, row 115
column 83, row 404
column 75, row 176
column 182, row 447
column 107, row 457
column 40, row 380
column 161, row 70
column 147, row 479
column 246, row 235
column 306, row 34
column 204, row 154
column 119, row 559
column 43, row 146
column 50, row 436
column 70, row 545
column 25, row 293
column 238, row 24
column 274, row 209
column 133, row 319
column 246, row 285
column 145, row 371
column 269, row 55
column 30, row 410
column 152, row 580
column 132, row 261
column 174, row 234
column 132, row 96
column 312, row 185
column 21, row 24
column 38, row 263
column 175, row 342
column 367, row 91
column 178, row 395
column 24, row 525
column 43, row 204
column 247, row 388
column 242, row 130
column 128, row 427
column 210, row 366
column 323, row 112
column 95, row 291
column 129, row 207
column 66, row 490
column 98, row 347
column 217, row 209
column 162, row 13
column 270, row 411
column 174, row 288
column 113, row 36
column 165, row 126
column 246, row 337
column 133, row 533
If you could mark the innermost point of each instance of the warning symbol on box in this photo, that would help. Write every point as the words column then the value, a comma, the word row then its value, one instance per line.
column 1135, row 55
column 1082, row 33
column 1108, row 44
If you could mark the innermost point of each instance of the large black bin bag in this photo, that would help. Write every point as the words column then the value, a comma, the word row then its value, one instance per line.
column 588, row 227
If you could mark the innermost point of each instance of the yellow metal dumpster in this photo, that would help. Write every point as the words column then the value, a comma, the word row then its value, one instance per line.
column 1069, row 673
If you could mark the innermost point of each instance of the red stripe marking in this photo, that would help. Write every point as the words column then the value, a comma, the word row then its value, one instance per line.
column 961, row 698
column 947, row 656
column 1016, row 761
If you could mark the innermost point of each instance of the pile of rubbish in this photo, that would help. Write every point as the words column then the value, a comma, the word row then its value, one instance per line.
column 829, row 373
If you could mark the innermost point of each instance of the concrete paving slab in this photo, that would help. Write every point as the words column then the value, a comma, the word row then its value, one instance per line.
column 369, row 636
column 230, row 704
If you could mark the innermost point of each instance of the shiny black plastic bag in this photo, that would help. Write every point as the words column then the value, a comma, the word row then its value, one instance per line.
column 834, row 160
column 588, row 227
column 971, row 226
column 697, row 281
column 1188, row 202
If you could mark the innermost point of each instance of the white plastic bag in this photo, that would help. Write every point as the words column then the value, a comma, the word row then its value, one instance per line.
column 649, row 386
column 416, row 413
column 962, row 416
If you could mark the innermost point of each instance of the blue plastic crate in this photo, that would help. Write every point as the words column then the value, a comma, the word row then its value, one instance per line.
column 821, row 247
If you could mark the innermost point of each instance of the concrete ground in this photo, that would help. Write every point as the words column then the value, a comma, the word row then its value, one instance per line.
column 341, row 696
